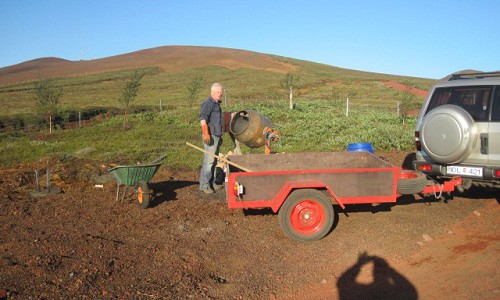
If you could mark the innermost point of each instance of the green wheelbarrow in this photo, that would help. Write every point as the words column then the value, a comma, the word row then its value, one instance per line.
column 138, row 178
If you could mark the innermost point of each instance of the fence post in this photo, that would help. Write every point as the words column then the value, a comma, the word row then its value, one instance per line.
column 398, row 108
column 79, row 119
column 47, row 173
column 37, row 178
column 347, row 108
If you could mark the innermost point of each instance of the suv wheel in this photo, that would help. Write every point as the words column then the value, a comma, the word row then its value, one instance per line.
column 448, row 134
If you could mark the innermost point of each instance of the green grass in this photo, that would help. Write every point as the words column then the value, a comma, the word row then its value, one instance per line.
column 315, row 125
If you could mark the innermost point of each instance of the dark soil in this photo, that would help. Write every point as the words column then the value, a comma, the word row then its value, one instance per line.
column 81, row 244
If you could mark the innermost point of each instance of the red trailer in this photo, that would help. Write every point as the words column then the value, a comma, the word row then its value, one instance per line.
column 301, row 187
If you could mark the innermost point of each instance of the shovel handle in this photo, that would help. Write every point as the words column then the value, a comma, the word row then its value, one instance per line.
column 219, row 157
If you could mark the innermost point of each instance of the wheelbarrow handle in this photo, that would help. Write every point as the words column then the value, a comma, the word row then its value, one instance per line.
column 159, row 159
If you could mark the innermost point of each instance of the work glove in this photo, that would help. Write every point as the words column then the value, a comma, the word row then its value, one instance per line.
column 206, row 134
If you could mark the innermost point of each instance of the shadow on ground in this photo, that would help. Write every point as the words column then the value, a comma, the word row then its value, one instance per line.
column 384, row 282
column 167, row 190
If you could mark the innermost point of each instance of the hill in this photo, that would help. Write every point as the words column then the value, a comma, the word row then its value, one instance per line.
column 247, row 76
column 168, row 58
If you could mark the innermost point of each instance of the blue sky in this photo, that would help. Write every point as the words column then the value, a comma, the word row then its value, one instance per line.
column 424, row 38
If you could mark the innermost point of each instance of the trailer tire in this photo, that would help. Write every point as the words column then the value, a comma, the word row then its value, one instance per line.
column 411, row 182
column 306, row 215
column 143, row 194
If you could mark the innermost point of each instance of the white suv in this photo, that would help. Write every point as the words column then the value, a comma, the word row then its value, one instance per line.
column 458, row 130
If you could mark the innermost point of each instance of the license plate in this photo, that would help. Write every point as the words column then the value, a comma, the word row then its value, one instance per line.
column 460, row 170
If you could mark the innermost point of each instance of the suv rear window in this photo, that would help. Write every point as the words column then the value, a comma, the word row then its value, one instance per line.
column 475, row 100
column 495, row 112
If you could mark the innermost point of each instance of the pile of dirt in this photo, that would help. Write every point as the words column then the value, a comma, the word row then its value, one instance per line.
column 81, row 243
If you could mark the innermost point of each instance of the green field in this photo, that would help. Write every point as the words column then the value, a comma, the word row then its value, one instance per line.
column 318, row 122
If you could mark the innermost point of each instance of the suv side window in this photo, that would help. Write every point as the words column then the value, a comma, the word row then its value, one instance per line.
column 475, row 100
column 495, row 113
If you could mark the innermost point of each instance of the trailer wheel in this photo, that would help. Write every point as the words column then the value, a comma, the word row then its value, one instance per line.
column 306, row 215
column 143, row 194
column 411, row 182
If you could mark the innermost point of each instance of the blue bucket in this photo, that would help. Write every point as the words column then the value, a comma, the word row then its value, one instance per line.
column 360, row 147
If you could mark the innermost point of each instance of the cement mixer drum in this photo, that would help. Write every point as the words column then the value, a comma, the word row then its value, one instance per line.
column 248, row 127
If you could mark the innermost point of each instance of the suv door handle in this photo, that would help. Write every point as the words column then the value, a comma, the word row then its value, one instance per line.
column 484, row 143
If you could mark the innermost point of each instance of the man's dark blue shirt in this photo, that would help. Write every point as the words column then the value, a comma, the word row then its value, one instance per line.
column 212, row 114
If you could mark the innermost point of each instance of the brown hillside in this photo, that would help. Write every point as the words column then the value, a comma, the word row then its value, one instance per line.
column 403, row 88
column 168, row 58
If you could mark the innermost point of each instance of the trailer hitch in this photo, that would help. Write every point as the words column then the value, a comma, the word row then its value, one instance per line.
column 438, row 189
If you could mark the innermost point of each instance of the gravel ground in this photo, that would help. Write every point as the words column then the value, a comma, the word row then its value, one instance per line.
column 82, row 244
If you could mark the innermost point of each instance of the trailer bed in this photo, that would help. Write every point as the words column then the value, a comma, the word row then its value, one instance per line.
column 351, row 177
column 308, row 161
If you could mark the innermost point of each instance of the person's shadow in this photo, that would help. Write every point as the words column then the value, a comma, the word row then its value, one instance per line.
column 387, row 283
column 166, row 190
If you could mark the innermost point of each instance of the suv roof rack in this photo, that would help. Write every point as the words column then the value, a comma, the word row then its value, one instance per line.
column 474, row 75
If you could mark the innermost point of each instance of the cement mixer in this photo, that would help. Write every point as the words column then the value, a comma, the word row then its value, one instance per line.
column 247, row 127
column 253, row 129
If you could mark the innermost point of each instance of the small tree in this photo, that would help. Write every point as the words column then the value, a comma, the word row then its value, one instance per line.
column 47, row 96
column 129, row 93
column 194, row 88
column 409, row 102
column 287, row 83
column 336, row 96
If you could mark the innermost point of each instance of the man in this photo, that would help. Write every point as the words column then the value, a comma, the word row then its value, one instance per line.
column 211, row 128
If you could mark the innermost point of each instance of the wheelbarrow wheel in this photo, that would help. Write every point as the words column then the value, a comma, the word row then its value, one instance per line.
column 143, row 194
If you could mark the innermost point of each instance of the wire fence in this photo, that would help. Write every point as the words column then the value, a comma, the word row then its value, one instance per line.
column 348, row 106
column 58, row 123
column 65, row 120
column 83, row 119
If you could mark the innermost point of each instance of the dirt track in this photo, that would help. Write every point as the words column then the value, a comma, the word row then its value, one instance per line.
column 403, row 88
column 82, row 244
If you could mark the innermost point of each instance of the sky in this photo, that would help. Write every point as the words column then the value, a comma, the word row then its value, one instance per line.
column 426, row 38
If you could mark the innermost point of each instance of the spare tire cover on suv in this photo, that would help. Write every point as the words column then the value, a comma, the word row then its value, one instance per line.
column 448, row 134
